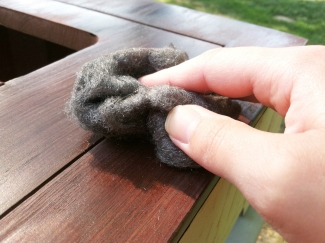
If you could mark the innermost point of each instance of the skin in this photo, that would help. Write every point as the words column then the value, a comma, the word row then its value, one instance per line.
column 281, row 175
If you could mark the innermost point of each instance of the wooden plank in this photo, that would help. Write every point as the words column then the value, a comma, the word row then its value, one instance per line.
column 217, row 216
column 36, row 138
column 37, row 142
column 194, row 210
column 6, row 64
column 22, row 53
column 215, row 29
column 46, row 20
column 87, row 198
column 118, row 192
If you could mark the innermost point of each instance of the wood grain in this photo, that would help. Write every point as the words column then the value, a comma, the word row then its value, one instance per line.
column 46, row 20
column 22, row 53
column 60, row 183
column 117, row 192
column 215, row 29
column 37, row 139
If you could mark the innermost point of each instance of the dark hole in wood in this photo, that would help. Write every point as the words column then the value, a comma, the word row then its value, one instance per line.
column 21, row 53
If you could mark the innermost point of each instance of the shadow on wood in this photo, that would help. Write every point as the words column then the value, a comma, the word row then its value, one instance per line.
column 134, row 160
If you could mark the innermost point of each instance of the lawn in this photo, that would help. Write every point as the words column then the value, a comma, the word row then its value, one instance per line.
column 302, row 18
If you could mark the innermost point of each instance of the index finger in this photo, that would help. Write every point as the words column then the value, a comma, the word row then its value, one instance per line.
column 266, row 73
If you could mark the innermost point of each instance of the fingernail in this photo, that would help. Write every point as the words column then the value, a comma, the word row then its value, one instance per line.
column 181, row 122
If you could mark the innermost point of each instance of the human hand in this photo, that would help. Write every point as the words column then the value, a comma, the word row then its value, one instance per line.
column 281, row 175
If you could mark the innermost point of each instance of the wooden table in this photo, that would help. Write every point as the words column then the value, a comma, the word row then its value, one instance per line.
column 60, row 183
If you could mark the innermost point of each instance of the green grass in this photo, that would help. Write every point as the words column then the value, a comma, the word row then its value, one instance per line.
column 307, row 18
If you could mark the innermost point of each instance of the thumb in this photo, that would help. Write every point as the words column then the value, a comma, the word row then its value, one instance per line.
column 267, row 168
column 226, row 147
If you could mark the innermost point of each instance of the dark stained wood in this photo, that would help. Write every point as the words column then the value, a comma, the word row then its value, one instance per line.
column 32, row 17
column 216, row 29
column 36, row 137
column 21, row 53
column 6, row 65
column 61, row 183
column 109, row 195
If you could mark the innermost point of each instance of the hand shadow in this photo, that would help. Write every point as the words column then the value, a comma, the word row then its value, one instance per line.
column 134, row 161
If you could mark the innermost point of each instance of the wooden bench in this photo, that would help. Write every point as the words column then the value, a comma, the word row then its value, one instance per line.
column 60, row 183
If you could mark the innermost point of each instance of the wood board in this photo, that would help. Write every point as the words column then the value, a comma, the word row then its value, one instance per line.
column 47, row 162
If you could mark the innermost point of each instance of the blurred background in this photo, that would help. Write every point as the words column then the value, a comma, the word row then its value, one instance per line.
column 302, row 18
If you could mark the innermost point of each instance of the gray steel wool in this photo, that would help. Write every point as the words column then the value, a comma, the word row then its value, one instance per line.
column 108, row 99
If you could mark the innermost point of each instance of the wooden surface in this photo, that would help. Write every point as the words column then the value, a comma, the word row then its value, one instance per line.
column 215, row 219
column 38, row 139
column 22, row 53
column 211, row 28
column 61, row 183
column 97, row 198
